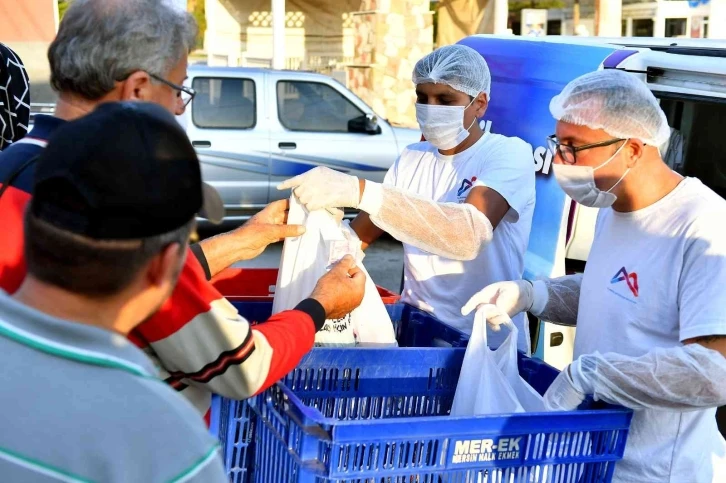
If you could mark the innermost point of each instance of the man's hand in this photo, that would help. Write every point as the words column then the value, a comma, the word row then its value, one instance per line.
column 341, row 289
column 267, row 227
column 323, row 187
column 273, row 214
column 249, row 240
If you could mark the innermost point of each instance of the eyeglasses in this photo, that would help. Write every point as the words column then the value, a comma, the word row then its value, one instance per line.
column 568, row 153
column 186, row 93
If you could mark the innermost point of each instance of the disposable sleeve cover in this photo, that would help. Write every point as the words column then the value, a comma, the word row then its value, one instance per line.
column 557, row 299
column 451, row 230
column 683, row 378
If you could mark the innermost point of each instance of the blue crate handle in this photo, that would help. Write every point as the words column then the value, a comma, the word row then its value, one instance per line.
column 293, row 414
column 270, row 403
column 302, row 417
column 271, row 407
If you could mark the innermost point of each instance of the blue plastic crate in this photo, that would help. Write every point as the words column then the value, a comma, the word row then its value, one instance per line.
column 414, row 327
column 233, row 423
column 374, row 415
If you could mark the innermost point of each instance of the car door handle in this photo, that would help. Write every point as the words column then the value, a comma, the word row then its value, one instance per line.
column 287, row 146
column 556, row 339
column 201, row 144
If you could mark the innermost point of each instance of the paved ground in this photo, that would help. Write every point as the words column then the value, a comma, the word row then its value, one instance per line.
column 384, row 262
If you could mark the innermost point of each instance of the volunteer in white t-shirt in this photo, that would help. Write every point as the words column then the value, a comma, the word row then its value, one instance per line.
column 461, row 202
column 650, row 308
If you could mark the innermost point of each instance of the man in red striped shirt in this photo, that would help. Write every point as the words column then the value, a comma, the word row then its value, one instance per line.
column 107, row 50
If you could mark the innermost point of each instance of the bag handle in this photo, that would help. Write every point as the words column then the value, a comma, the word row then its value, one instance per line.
column 485, row 311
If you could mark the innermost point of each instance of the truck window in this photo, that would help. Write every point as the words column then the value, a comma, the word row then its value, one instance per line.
column 224, row 103
column 312, row 106
column 697, row 143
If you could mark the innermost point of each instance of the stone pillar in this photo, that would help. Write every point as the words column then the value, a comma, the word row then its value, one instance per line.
column 278, row 34
column 222, row 39
column 609, row 18
column 391, row 36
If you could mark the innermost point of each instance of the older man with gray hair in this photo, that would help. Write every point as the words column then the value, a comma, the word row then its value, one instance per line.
column 113, row 50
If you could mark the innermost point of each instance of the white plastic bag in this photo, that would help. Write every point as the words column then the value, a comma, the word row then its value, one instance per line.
column 489, row 382
column 306, row 258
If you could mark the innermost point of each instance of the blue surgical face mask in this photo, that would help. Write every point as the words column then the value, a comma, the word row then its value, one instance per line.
column 443, row 126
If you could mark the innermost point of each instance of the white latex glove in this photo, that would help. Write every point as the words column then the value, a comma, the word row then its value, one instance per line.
column 323, row 187
column 562, row 395
column 496, row 317
column 508, row 298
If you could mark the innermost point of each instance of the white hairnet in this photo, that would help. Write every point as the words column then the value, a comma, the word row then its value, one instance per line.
column 458, row 66
column 614, row 101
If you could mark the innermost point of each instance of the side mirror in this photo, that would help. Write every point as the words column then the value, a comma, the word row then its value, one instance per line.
column 365, row 124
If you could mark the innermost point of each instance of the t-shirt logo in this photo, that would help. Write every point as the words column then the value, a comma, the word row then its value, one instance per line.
column 630, row 279
column 465, row 185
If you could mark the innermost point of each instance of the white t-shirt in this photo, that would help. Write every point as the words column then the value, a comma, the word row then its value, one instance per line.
column 442, row 286
column 656, row 277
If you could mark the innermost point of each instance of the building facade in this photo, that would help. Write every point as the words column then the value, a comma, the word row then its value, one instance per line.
column 369, row 45
column 28, row 27
column 670, row 18
column 640, row 18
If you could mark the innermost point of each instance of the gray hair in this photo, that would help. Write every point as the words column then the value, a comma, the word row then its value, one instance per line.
column 101, row 42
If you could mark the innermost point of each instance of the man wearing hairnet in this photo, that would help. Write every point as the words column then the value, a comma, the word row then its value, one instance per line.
column 650, row 308
column 461, row 202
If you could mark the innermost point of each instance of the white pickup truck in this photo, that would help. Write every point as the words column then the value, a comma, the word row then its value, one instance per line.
column 254, row 128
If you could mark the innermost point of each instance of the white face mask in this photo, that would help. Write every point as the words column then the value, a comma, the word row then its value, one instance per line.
column 443, row 126
column 579, row 183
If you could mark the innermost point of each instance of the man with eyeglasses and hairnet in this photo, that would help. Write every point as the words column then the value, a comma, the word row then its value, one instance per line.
column 649, row 309
column 461, row 201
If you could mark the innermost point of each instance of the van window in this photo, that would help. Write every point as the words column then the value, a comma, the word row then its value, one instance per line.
column 643, row 27
column 675, row 27
column 224, row 103
column 697, row 143
column 312, row 106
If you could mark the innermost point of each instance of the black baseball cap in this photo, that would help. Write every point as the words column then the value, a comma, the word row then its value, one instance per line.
column 125, row 171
